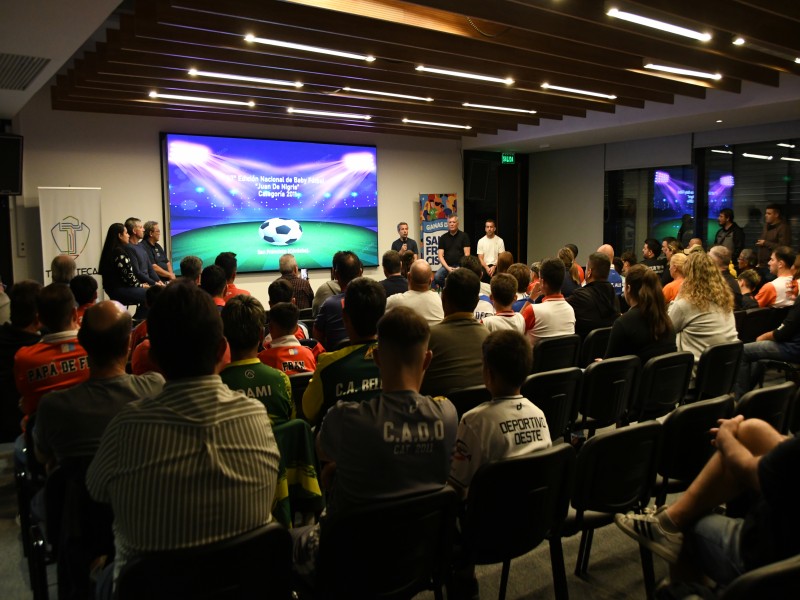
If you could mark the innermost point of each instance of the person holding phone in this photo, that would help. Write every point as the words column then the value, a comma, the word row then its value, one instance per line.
column 303, row 294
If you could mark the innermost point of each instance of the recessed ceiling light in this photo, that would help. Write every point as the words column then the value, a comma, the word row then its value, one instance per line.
column 389, row 94
column 505, row 108
column 292, row 46
column 722, row 151
column 786, row 145
column 791, row 159
column 547, row 86
column 196, row 73
column 325, row 113
column 738, row 41
column 760, row 156
column 155, row 94
column 434, row 124
column 506, row 80
column 653, row 23
column 718, row 121
column 687, row 72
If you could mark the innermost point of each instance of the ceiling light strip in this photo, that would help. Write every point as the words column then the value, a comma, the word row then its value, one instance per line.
column 547, row 86
column 504, row 108
column 325, row 113
column 722, row 151
column 784, row 145
column 687, row 72
column 389, row 94
column 759, row 156
column 159, row 95
column 303, row 47
column 791, row 159
column 434, row 124
column 506, row 80
column 660, row 25
column 196, row 73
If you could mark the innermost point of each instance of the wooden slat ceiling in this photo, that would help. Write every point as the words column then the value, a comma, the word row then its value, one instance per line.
column 566, row 43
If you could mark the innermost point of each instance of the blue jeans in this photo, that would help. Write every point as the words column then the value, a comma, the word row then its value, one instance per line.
column 440, row 276
column 716, row 544
column 753, row 352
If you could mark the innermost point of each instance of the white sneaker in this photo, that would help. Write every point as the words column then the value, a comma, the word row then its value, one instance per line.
column 646, row 529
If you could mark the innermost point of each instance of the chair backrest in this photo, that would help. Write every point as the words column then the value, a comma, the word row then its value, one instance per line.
column 387, row 549
column 594, row 346
column 557, row 352
column 663, row 385
column 687, row 445
column 752, row 322
column 778, row 580
column 250, row 565
column 534, row 489
column 717, row 370
column 608, row 388
column 306, row 313
column 616, row 470
column 468, row 398
column 792, row 423
column 299, row 383
column 770, row 404
column 309, row 342
column 556, row 393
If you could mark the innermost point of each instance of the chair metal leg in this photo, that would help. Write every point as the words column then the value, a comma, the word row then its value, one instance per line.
column 581, row 550
column 38, row 564
column 504, row 579
column 648, row 572
column 559, row 572
column 587, row 550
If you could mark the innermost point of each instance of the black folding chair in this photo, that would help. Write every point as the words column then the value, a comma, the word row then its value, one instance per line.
column 770, row 404
column 615, row 472
column 716, row 371
column 558, row 352
column 535, row 489
column 594, row 346
column 687, row 446
column 387, row 550
column 607, row 391
column 662, row 386
column 247, row 566
column 557, row 394
column 468, row 398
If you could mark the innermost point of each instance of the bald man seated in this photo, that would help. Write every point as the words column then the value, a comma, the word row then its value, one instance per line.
column 419, row 297
column 70, row 422
column 614, row 278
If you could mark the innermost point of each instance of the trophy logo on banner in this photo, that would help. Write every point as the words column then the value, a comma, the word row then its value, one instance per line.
column 70, row 235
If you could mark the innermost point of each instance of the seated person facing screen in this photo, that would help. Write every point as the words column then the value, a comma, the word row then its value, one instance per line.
column 367, row 445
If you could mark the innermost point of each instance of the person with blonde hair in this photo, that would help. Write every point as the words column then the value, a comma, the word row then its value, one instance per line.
column 702, row 313
column 676, row 264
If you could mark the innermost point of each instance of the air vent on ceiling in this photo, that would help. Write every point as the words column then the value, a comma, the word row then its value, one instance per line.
column 17, row 71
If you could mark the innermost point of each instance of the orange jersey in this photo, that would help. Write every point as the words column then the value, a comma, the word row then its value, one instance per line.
column 55, row 363
column 289, row 359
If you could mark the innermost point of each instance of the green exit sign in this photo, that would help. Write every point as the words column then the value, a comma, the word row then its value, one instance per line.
column 507, row 158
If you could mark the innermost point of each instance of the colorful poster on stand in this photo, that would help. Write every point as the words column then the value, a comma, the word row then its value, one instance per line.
column 434, row 210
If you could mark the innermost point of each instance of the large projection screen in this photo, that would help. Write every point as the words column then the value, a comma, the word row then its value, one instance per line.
column 264, row 198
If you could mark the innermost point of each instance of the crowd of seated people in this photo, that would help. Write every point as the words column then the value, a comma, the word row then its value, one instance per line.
column 212, row 375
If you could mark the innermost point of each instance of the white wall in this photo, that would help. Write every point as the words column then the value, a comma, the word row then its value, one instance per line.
column 566, row 201
column 121, row 154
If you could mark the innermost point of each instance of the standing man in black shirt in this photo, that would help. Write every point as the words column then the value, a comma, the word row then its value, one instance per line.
column 729, row 234
column 453, row 246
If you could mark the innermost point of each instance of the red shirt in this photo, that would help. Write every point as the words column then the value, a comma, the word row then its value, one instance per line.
column 55, row 363
column 234, row 291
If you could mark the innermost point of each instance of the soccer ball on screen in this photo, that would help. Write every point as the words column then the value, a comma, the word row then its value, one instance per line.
column 280, row 232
